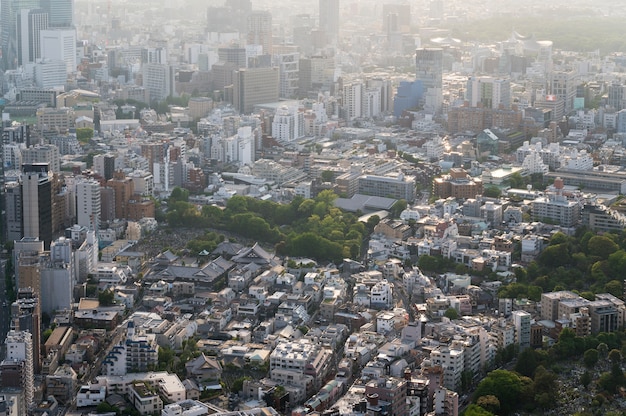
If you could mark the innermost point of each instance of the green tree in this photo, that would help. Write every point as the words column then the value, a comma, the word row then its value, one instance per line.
column 106, row 298
column 590, row 357
column 527, row 362
column 615, row 356
column 614, row 287
column 601, row 246
column 490, row 403
column 505, row 385
column 327, row 176
column 179, row 194
column 84, row 134
column 451, row 314
column 475, row 410
column 492, row 191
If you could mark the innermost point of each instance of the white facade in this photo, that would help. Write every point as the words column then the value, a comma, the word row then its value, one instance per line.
column 57, row 283
column 453, row 364
column 59, row 44
column 29, row 25
column 90, row 396
column 288, row 124
column 521, row 320
column 19, row 348
column 185, row 408
column 381, row 294
column 289, row 69
column 352, row 100
column 50, row 73
column 158, row 79
column 88, row 204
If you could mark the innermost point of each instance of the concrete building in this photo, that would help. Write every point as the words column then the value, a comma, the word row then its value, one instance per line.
column 521, row 320
column 59, row 44
column 555, row 207
column 253, row 86
column 260, row 30
column 488, row 92
column 37, row 202
column 29, row 25
column 396, row 186
column 159, row 80
column 329, row 18
column 429, row 72
column 58, row 277
column 288, row 124
column 17, row 368
column 88, row 204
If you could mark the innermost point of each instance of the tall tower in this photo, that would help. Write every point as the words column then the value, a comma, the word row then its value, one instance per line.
column 88, row 204
column 329, row 18
column 260, row 30
column 58, row 277
column 30, row 23
column 429, row 71
column 26, row 316
column 17, row 369
column 13, row 211
column 60, row 12
column 37, row 202
column 59, row 44
column 8, row 32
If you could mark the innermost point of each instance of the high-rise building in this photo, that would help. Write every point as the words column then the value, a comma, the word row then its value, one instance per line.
column 37, row 202
column 488, row 92
column 8, row 32
column 158, row 79
column 562, row 85
column 26, row 316
column 58, row 277
column 42, row 153
column 352, row 100
column 396, row 18
column 253, row 86
column 329, row 18
column 60, row 12
column 17, row 369
column 288, row 124
column 260, row 30
column 616, row 95
column 123, row 191
column 233, row 54
column 13, row 208
column 88, row 204
column 429, row 72
column 59, row 44
column 30, row 23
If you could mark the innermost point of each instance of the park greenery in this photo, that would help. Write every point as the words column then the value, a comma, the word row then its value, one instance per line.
column 586, row 263
column 533, row 385
column 312, row 228
column 567, row 28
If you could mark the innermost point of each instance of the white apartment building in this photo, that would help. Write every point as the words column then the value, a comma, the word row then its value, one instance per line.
column 288, row 124
column 19, row 348
column 352, row 100
column 521, row 320
column 88, row 204
column 381, row 295
column 453, row 363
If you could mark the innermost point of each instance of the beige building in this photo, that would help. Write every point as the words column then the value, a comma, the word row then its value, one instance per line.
column 253, row 86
